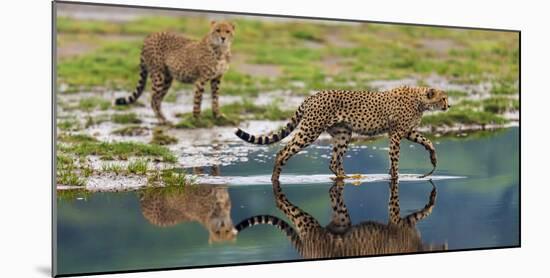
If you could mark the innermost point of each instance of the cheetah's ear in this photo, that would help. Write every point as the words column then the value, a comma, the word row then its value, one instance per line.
column 430, row 93
column 232, row 25
column 212, row 23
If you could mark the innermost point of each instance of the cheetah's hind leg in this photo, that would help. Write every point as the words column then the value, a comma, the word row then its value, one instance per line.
column 161, row 84
column 300, row 140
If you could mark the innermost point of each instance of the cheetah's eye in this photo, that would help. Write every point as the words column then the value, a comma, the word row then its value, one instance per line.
column 218, row 30
column 227, row 31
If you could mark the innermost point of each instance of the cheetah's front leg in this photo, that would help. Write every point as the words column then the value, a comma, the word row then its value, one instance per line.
column 214, row 87
column 197, row 98
column 416, row 137
column 340, row 220
column 395, row 140
column 341, row 137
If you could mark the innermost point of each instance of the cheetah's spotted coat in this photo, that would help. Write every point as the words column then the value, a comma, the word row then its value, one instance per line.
column 167, row 56
column 397, row 112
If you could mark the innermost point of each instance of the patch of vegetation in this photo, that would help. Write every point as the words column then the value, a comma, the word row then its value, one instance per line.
column 169, row 178
column 96, row 120
column 129, row 118
column 112, row 167
column 160, row 138
column 206, row 120
column 67, row 171
column 131, row 130
column 462, row 116
column 120, row 150
column 138, row 167
column 455, row 93
column 114, row 65
column 500, row 105
column 234, row 113
column 94, row 103
column 75, row 138
column 504, row 88
column 171, row 97
column 69, row 125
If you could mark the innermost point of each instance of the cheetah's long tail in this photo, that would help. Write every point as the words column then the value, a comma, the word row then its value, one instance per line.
column 271, row 220
column 273, row 137
column 139, row 88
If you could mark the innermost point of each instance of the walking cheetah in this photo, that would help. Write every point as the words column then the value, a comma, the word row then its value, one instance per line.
column 396, row 112
column 167, row 56
column 339, row 238
column 209, row 205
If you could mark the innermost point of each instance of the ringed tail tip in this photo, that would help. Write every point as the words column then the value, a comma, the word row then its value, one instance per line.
column 121, row 101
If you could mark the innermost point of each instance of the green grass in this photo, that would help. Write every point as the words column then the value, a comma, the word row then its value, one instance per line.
column 498, row 105
column 465, row 116
column 169, row 179
column 129, row 118
column 75, row 138
column 234, row 113
column 504, row 88
column 131, row 130
column 96, row 120
column 160, row 138
column 67, row 172
column 455, row 93
column 138, row 167
column 112, row 167
column 94, row 103
column 120, row 150
column 69, row 125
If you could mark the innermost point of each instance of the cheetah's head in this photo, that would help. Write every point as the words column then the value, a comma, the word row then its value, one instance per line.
column 434, row 99
column 221, row 33
column 219, row 225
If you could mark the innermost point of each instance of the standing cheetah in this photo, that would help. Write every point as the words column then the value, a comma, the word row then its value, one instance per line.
column 396, row 112
column 167, row 56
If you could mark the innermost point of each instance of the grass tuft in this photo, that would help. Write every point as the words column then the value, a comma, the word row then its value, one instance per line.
column 138, row 167
column 94, row 103
column 160, row 138
column 129, row 118
column 131, row 130
column 462, row 116
column 120, row 150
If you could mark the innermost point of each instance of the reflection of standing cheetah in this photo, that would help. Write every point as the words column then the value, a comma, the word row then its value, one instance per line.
column 396, row 112
column 207, row 204
column 166, row 56
column 340, row 238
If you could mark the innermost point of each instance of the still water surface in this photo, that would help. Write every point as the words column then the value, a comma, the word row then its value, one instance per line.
column 159, row 229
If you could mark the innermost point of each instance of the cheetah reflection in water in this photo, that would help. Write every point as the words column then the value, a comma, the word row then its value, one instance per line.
column 340, row 238
column 210, row 205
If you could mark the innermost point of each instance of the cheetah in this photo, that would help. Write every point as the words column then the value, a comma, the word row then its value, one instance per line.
column 397, row 112
column 210, row 205
column 166, row 56
column 340, row 238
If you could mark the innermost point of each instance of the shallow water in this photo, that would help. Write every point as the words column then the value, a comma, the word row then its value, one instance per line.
column 115, row 231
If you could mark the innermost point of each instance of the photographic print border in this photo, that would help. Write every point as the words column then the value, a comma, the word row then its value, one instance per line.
column 54, row 136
